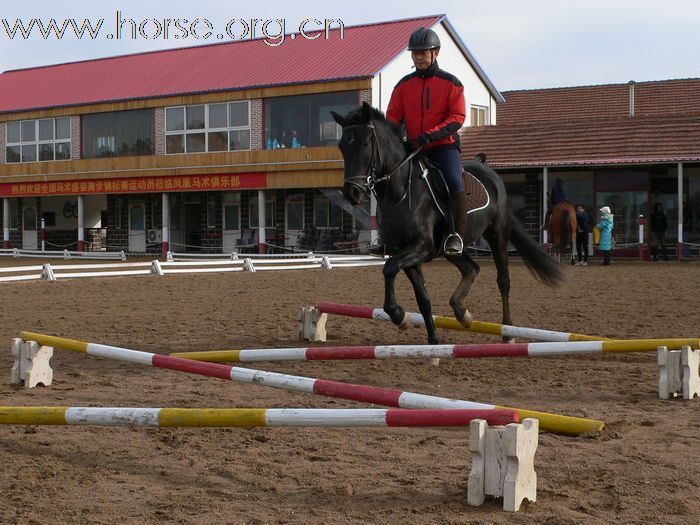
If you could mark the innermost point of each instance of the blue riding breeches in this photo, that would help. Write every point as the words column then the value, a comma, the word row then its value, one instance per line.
column 450, row 163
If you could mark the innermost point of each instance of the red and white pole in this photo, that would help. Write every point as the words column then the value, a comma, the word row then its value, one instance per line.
column 641, row 237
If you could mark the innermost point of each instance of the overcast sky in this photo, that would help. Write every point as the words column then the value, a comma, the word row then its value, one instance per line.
column 521, row 44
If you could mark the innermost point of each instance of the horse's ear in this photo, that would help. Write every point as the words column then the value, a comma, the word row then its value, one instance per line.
column 340, row 120
column 367, row 111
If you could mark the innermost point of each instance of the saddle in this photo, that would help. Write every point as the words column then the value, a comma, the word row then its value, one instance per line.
column 477, row 196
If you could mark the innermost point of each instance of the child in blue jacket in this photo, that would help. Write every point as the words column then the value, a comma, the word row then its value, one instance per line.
column 606, row 227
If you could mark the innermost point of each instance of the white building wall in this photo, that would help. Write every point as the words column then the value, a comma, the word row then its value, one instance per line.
column 451, row 60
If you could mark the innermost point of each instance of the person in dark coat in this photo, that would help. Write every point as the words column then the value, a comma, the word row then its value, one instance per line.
column 557, row 196
column 581, row 236
column 658, row 227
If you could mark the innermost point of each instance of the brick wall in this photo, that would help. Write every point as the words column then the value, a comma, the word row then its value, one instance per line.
column 533, row 196
column 75, row 141
column 160, row 131
column 366, row 96
column 256, row 123
column 117, row 239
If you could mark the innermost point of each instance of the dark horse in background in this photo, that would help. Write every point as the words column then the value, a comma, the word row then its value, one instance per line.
column 412, row 226
column 562, row 226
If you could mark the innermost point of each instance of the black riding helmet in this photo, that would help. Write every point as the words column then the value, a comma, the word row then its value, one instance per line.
column 423, row 39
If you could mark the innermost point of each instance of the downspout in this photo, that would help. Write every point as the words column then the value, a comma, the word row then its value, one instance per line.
column 631, row 88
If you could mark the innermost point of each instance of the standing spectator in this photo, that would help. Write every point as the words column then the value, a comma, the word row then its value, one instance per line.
column 606, row 226
column 658, row 232
column 581, row 236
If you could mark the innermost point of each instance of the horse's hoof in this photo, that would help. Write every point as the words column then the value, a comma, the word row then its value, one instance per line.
column 466, row 319
column 405, row 322
column 508, row 340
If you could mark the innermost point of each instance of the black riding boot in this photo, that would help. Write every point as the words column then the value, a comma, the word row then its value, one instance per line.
column 458, row 207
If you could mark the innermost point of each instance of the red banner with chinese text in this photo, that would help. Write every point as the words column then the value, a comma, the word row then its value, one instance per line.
column 242, row 181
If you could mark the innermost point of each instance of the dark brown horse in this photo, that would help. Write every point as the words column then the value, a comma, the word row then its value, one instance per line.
column 413, row 222
column 562, row 226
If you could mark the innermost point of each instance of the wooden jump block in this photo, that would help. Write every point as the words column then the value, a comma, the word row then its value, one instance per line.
column 503, row 463
column 678, row 372
column 312, row 324
column 31, row 365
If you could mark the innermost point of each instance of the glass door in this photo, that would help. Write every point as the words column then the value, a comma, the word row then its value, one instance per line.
column 137, row 228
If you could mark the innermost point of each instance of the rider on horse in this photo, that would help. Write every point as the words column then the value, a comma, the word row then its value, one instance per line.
column 431, row 103
column 557, row 196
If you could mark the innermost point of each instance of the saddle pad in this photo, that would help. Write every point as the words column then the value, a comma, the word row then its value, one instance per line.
column 477, row 196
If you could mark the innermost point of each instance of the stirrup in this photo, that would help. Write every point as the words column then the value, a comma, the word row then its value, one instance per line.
column 461, row 244
column 378, row 250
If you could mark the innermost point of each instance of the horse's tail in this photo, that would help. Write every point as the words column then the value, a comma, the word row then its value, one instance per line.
column 542, row 266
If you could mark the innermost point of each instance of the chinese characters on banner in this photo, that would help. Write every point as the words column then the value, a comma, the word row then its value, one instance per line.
column 241, row 181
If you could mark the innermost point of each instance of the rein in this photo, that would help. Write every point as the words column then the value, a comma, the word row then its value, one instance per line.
column 371, row 180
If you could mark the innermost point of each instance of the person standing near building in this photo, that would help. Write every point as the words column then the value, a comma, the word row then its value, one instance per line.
column 431, row 103
column 658, row 227
column 581, row 236
column 605, row 226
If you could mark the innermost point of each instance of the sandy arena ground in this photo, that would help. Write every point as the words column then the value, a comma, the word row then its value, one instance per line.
column 642, row 469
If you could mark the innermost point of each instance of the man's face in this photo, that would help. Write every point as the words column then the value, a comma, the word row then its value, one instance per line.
column 424, row 59
column 579, row 209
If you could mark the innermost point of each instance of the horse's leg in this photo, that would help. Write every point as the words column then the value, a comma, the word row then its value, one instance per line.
column 420, row 289
column 469, row 270
column 406, row 258
column 499, row 251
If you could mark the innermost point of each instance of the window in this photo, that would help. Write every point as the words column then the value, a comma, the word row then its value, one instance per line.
column 211, row 210
column 119, row 134
column 295, row 212
column 175, row 210
column 38, row 140
column 253, row 211
column 479, row 116
column 232, row 211
column 156, row 212
column 327, row 214
column 207, row 127
column 305, row 120
column 118, row 210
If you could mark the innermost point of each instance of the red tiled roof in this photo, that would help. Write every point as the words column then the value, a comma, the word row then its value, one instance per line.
column 591, row 125
column 631, row 140
column 667, row 97
column 364, row 51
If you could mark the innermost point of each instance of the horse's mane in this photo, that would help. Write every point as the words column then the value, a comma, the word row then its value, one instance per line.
column 365, row 113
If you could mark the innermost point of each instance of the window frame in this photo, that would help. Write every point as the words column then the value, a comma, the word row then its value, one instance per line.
column 206, row 130
column 482, row 113
column 37, row 142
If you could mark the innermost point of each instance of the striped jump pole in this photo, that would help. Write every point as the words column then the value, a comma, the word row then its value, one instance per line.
column 450, row 323
column 332, row 353
column 366, row 394
column 251, row 417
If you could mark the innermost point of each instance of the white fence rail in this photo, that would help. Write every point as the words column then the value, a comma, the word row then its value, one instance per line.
column 187, row 264
column 65, row 254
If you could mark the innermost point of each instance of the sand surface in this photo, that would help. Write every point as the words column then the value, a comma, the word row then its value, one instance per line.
column 642, row 469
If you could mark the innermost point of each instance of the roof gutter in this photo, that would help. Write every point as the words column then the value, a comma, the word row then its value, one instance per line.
column 472, row 61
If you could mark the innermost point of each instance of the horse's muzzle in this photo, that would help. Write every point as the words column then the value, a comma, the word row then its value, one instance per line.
column 353, row 193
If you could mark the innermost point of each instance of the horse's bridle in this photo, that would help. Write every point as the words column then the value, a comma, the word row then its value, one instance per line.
column 370, row 180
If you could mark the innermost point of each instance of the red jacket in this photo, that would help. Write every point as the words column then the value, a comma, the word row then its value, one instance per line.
column 431, row 102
